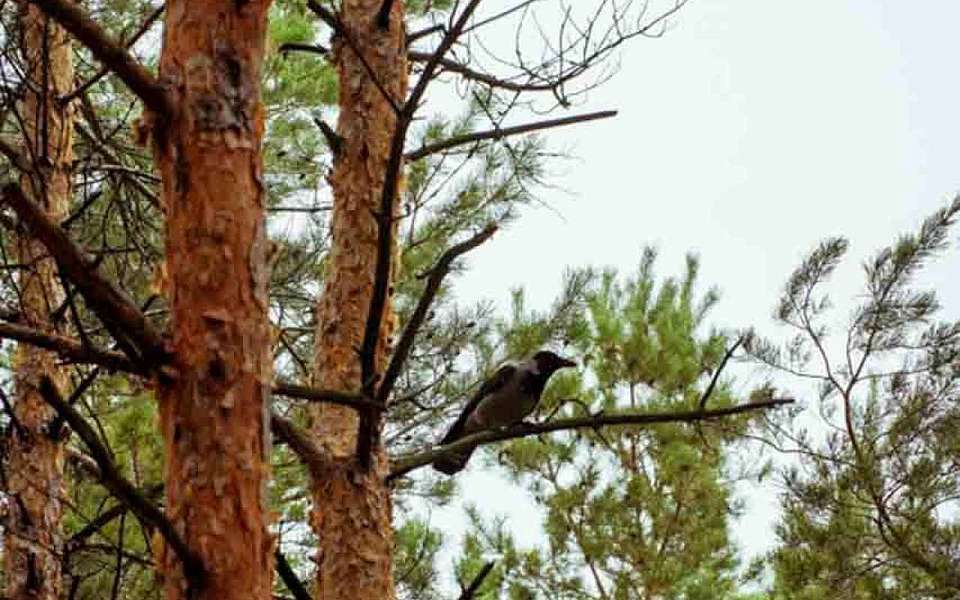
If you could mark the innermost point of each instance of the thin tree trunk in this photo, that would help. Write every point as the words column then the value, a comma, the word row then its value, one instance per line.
column 214, row 408
column 352, row 506
column 33, row 539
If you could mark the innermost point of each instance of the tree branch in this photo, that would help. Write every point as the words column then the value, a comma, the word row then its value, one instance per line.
column 332, row 21
column 334, row 141
column 499, row 133
column 300, row 442
column 126, row 492
column 144, row 28
column 113, row 55
column 383, row 15
column 290, row 578
column 300, row 47
column 300, row 392
column 470, row 591
column 70, row 349
column 404, row 465
column 119, row 313
column 437, row 273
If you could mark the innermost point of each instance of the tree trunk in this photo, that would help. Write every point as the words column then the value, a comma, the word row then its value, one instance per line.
column 215, row 406
column 33, row 541
column 351, row 505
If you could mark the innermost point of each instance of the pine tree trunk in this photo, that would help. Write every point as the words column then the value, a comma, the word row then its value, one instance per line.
column 214, row 409
column 33, row 539
column 352, row 506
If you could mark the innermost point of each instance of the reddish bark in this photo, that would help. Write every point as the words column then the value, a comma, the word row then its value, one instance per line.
column 34, row 471
column 215, row 410
column 352, row 505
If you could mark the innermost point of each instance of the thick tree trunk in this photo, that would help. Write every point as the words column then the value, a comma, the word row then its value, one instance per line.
column 352, row 506
column 34, row 471
column 214, row 408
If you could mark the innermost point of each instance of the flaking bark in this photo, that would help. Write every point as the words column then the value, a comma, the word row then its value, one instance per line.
column 215, row 409
column 352, row 505
column 33, row 539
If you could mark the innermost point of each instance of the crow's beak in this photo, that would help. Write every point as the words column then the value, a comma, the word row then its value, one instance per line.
column 566, row 363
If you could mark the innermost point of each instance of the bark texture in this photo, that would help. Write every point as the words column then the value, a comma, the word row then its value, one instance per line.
column 32, row 535
column 214, row 410
column 352, row 506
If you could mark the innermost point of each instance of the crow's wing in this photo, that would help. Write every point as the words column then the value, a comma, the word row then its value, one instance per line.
column 490, row 386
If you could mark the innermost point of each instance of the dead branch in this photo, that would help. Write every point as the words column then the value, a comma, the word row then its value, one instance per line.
column 499, row 133
column 128, row 43
column 404, row 465
column 470, row 591
column 113, row 55
column 70, row 349
column 435, row 279
column 290, row 578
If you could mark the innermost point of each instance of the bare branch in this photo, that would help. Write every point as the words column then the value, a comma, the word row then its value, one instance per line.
column 122, row 489
column 70, row 349
column 140, row 81
column 329, row 396
column 437, row 273
column 308, row 48
column 404, row 465
column 144, row 28
column 500, row 133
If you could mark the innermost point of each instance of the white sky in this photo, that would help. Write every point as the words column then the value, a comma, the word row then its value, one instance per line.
column 748, row 133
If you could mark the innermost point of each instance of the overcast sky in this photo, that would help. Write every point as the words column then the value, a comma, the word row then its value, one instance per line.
column 749, row 132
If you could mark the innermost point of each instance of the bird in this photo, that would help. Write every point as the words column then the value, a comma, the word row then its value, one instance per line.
column 505, row 399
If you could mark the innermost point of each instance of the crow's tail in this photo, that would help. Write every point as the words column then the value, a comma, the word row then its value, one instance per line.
column 454, row 463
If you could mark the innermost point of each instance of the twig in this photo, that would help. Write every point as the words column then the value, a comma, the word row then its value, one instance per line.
column 406, row 464
column 500, row 133
column 716, row 374
column 416, row 35
column 121, row 488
